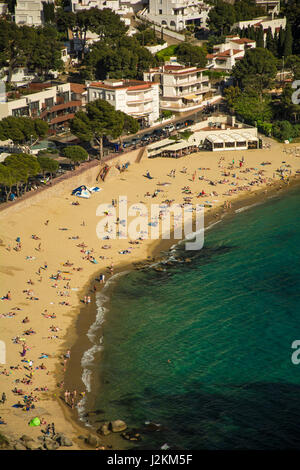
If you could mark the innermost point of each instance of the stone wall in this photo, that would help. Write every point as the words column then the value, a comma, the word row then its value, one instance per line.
column 85, row 175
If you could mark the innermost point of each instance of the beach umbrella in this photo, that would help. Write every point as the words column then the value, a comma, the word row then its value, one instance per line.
column 35, row 422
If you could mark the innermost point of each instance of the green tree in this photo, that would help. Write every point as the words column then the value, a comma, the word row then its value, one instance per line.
column 221, row 18
column 253, row 108
column 65, row 20
column 124, row 59
column 48, row 165
column 100, row 119
column 271, row 44
column 22, row 129
column 280, row 45
column 260, row 37
column 256, row 71
column 231, row 94
column 288, row 41
column 293, row 63
column 16, row 46
column 284, row 130
column 8, row 178
column 291, row 10
column 24, row 166
column 191, row 55
column 49, row 12
column 75, row 153
column 44, row 58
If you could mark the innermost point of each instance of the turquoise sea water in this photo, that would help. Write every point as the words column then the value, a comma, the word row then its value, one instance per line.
column 226, row 322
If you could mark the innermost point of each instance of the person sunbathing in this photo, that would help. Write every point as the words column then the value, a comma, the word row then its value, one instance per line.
column 25, row 320
column 67, row 263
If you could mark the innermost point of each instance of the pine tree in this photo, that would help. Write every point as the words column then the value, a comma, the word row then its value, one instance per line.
column 270, row 42
column 288, row 41
column 281, row 37
column 260, row 37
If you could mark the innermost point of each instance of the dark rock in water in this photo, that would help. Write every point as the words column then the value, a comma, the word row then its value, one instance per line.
column 131, row 436
column 152, row 427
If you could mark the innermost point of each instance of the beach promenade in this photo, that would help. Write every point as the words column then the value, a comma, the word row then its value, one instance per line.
column 48, row 249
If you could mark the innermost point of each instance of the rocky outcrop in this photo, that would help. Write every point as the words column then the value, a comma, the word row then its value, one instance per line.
column 63, row 440
column 42, row 443
column 93, row 441
column 104, row 429
column 117, row 426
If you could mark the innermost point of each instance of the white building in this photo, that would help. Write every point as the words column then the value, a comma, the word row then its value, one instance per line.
column 226, row 55
column 121, row 7
column 217, row 133
column 55, row 104
column 139, row 99
column 177, row 14
column 264, row 23
column 181, row 88
column 29, row 12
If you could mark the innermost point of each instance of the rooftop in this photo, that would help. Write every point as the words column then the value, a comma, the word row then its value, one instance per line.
column 111, row 84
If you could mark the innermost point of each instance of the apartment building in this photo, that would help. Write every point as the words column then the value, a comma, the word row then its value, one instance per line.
column 181, row 88
column 177, row 14
column 226, row 55
column 55, row 104
column 139, row 99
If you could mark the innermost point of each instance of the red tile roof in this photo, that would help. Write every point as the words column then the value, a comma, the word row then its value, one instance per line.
column 77, row 87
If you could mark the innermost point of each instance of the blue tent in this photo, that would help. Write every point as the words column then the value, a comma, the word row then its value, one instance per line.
column 79, row 189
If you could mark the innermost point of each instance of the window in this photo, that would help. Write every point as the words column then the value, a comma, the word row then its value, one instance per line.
column 160, row 12
column 20, row 112
column 49, row 102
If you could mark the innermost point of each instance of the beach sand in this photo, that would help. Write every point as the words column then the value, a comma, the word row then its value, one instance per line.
column 57, row 247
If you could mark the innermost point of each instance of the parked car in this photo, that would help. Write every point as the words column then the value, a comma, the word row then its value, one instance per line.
column 189, row 122
column 179, row 125
column 146, row 137
column 169, row 127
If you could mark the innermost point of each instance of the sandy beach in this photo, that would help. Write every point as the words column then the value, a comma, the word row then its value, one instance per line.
column 48, row 272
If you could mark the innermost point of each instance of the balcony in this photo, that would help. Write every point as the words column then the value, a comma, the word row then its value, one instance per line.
column 139, row 101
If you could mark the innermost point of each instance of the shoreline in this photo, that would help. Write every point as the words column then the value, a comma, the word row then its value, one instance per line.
column 75, row 320
column 157, row 250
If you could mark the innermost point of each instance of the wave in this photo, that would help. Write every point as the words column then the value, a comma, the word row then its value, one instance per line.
column 245, row 208
column 88, row 357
